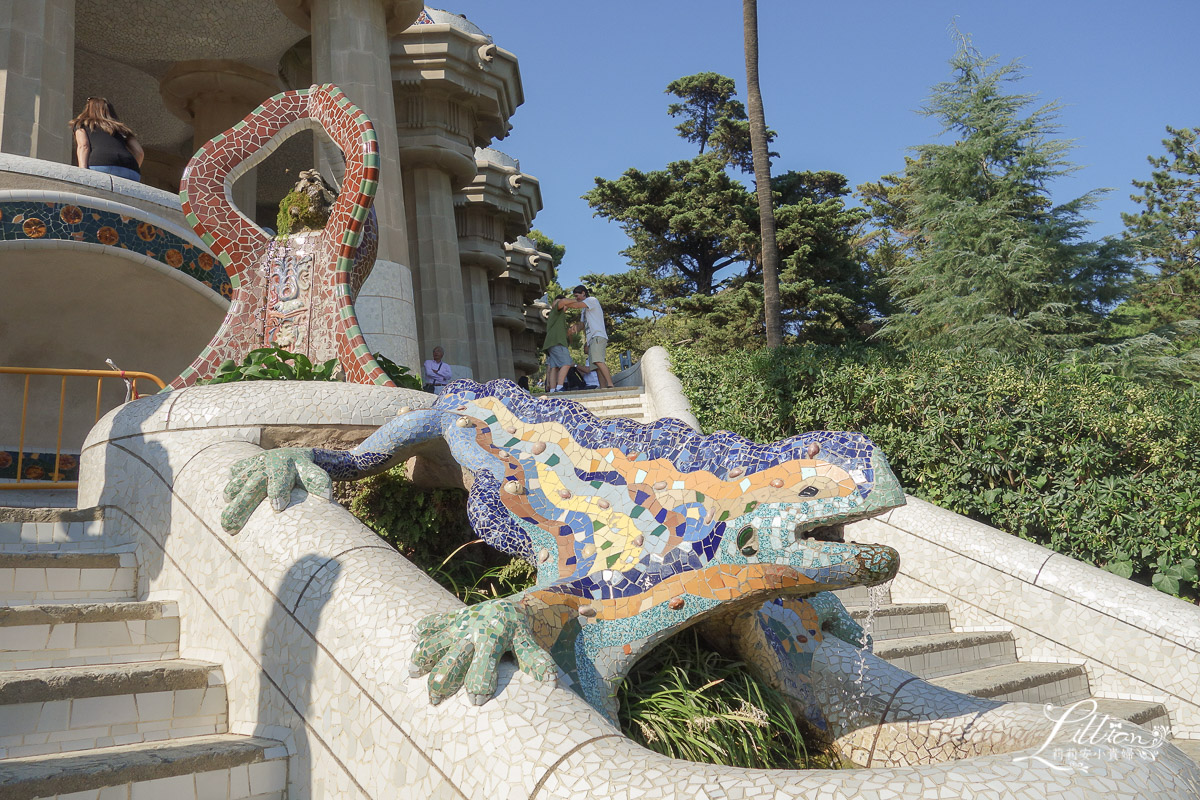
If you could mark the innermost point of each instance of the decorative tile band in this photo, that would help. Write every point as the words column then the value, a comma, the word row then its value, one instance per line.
column 33, row 220
column 38, row 466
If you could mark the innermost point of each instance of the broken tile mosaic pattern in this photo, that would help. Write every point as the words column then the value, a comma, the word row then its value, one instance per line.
column 325, row 270
column 636, row 530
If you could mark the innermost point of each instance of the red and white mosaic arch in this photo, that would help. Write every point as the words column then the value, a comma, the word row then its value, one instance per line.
column 341, row 255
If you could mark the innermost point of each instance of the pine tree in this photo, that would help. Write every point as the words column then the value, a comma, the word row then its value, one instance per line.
column 989, row 260
column 1166, row 234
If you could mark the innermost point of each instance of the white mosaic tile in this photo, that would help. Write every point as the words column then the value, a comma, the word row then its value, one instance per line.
column 313, row 627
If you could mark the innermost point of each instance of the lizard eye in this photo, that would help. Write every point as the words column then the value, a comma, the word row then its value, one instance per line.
column 747, row 541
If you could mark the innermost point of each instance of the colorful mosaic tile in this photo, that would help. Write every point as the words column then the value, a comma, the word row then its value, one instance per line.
column 38, row 466
column 636, row 531
column 77, row 222
column 297, row 293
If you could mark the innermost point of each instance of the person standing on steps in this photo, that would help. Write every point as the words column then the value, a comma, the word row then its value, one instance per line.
column 595, row 334
column 558, row 355
column 437, row 373
column 105, row 144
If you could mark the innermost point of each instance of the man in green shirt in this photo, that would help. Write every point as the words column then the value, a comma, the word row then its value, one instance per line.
column 558, row 355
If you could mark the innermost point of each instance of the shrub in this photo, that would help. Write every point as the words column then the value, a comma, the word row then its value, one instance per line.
column 429, row 527
column 401, row 376
column 687, row 701
column 271, row 364
column 1089, row 464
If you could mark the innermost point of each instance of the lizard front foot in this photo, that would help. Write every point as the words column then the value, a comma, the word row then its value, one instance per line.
column 271, row 474
column 465, row 647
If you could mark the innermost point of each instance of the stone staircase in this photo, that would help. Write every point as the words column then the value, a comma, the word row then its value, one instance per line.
column 918, row 638
column 623, row 401
column 94, row 700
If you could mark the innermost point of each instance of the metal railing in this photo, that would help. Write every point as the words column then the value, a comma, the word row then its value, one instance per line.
column 129, row 378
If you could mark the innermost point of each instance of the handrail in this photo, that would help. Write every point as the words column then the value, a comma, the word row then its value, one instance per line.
column 129, row 377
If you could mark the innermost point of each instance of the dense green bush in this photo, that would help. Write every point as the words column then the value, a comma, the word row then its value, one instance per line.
column 430, row 528
column 1089, row 464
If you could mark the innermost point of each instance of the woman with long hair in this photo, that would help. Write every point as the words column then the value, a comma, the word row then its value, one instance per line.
column 104, row 143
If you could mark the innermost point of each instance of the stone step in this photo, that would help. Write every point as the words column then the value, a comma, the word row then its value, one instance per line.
column 632, row 401
column 601, row 409
column 61, row 499
column 904, row 620
column 54, row 710
column 1022, row 682
column 860, row 595
column 1146, row 713
column 33, row 578
column 25, row 530
column 594, row 394
column 225, row 766
column 938, row 654
column 69, row 635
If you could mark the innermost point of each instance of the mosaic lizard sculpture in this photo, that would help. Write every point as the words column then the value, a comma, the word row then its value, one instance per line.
column 636, row 532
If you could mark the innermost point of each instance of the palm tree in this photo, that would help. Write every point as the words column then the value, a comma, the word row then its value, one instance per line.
column 762, row 175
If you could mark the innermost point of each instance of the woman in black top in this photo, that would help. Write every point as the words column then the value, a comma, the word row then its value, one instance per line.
column 104, row 143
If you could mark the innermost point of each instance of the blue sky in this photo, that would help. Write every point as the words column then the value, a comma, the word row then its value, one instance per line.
column 841, row 82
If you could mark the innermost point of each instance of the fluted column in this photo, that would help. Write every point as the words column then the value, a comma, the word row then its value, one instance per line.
column 433, row 245
column 479, row 322
column 350, row 48
column 506, row 317
column 213, row 95
column 37, row 76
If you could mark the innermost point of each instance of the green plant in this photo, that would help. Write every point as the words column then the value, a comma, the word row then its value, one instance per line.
column 1090, row 464
column 400, row 375
column 271, row 364
column 687, row 701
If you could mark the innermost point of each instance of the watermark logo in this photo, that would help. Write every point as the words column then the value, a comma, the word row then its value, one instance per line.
column 1092, row 736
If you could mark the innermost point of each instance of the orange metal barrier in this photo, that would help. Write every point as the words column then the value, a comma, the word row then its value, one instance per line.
column 100, row 375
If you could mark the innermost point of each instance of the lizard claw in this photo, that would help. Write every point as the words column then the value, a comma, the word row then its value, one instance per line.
column 464, row 648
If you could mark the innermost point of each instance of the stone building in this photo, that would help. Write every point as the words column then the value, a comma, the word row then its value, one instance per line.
column 455, row 267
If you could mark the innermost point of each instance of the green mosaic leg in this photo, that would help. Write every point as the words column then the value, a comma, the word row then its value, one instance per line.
column 271, row 474
column 465, row 647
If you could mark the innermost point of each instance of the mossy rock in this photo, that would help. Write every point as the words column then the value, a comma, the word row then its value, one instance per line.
column 296, row 214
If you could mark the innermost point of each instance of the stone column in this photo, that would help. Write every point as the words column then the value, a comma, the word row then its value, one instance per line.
column 433, row 248
column 213, row 95
column 506, row 318
column 350, row 48
column 498, row 205
column 479, row 322
column 455, row 91
column 37, row 77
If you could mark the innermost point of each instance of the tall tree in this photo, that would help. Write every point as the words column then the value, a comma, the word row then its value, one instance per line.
column 713, row 118
column 1166, row 233
column 829, row 290
column 708, row 98
column 759, row 147
column 689, row 219
column 991, row 261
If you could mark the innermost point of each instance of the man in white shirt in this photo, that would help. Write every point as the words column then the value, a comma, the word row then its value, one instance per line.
column 595, row 334
column 437, row 373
